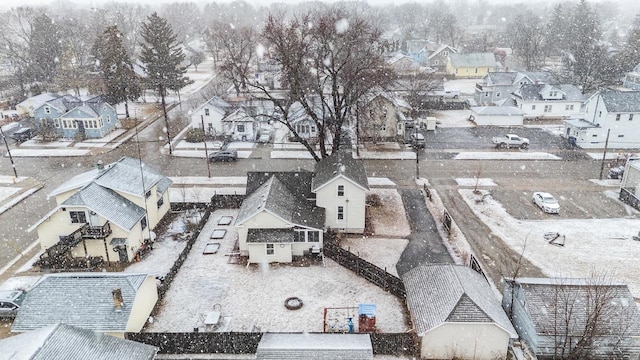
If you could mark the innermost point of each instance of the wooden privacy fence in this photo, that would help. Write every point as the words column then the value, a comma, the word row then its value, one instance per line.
column 247, row 342
column 365, row 269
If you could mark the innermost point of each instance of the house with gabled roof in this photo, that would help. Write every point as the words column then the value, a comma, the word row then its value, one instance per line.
column 607, row 113
column 71, row 117
column 552, row 316
column 471, row 65
column 110, row 303
column 438, row 56
column 632, row 79
column 547, row 101
column 239, row 125
column 285, row 214
column 456, row 314
column 211, row 114
column 382, row 116
column 106, row 212
column 497, row 86
column 61, row 341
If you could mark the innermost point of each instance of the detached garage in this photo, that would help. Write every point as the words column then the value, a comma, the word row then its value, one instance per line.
column 496, row 115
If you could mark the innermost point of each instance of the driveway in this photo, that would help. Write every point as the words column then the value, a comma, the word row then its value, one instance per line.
column 425, row 245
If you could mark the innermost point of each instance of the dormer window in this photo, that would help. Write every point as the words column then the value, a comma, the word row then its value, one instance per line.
column 340, row 190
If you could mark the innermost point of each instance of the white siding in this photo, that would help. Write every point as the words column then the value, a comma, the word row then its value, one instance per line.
column 353, row 203
column 480, row 341
column 145, row 301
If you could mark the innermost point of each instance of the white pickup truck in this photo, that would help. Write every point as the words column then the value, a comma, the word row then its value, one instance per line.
column 510, row 141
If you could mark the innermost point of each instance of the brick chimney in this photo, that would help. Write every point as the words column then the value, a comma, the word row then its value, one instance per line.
column 118, row 301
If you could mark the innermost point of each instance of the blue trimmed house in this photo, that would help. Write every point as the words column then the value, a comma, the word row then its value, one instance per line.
column 72, row 117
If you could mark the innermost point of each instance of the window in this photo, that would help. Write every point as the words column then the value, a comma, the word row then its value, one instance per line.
column 206, row 112
column 270, row 249
column 240, row 128
column 47, row 110
column 56, row 123
column 143, row 223
column 108, row 120
column 147, row 194
column 437, row 62
column 299, row 236
column 340, row 215
column 618, row 117
column 547, row 108
column 383, row 127
column 313, row 236
column 445, row 53
column 599, row 113
column 568, row 107
column 630, row 117
column 340, row 190
column 594, row 135
column 313, row 129
column 498, row 94
column 160, row 202
column 621, row 136
column 533, row 107
column 78, row 217
column 475, row 70
column 486, row 94
column 553, row 93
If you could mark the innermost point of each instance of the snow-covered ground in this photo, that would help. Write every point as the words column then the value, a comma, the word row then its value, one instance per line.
column 600, row 245
column 503, row 155
column 389, row 219
column 254, row 296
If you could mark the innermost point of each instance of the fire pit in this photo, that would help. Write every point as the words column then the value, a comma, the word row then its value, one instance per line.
column 293, row 303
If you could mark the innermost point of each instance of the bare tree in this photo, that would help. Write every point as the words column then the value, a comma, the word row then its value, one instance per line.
column 527, row 39
column 236, row 47
column 329, row 61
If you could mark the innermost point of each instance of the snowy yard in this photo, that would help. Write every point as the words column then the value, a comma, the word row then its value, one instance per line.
column 390, row 219
column 254, row 296
column 600, row 245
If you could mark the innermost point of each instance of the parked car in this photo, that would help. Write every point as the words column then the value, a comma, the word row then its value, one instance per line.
column 546, row 202
column 616, row 172
column 417, row 141
column 224, row 155
column 265, row 136
column 23, row 134
column 10, row 301
column 510, row 141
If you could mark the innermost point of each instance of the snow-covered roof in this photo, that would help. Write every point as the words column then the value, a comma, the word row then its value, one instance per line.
column 497, row 110
column 473, row 60
column 621, row 101
column 79, row 299
column 315, row 346
column 339, row 163
column 128, row 175
column 440, row 293
column 67, row 342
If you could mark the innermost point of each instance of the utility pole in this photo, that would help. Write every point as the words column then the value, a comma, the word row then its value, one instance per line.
column 415, row 146
column 13, row 165
column 604, row 155
column 206, row 150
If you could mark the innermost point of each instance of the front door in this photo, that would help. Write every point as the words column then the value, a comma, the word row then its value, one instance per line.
column 122, row 254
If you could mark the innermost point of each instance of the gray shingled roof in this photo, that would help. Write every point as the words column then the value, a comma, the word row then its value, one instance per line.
column 621, row 101
column 107, row 203
column 274, row 197
column 66, row 342
column 315, row 347
column 502, row 78
column 270, row 236
column 78, row 299
column 297, row 182
column 339, row 163
column 531, row 92
column 497, row 110
column 473, row 60
column 442, row 293
column 124, row 175
column 540, row 296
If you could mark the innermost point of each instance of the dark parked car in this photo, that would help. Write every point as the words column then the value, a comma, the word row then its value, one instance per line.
column 224, row 155
column 23, row 134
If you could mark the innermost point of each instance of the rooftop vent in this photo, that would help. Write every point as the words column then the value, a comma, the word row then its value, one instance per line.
column 118, row 301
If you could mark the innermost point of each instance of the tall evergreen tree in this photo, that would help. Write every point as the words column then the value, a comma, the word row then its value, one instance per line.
column 162, row 57
column 45, row 50
column 121, row 83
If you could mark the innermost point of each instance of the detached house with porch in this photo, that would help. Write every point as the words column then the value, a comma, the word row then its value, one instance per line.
column 546, row 101
column 68, row 116
column 107, row 212
column 615, row 113
column 285, row 214
column 471, row 65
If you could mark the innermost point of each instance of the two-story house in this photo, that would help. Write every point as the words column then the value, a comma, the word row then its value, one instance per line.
column 546, row 101
column 608, row 113
column 438, row 57
column 106, row 212
column 495, row 87
column 382, row 117
column 211, row 114
column 632, row 79
column 590, row 318
column 69, row 116
column 285, row 213
column 471, row 65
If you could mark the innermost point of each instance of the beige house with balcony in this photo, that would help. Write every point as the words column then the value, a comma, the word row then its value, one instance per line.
column 107, row 212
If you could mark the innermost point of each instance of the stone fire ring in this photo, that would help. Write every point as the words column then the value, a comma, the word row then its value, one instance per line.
column 293, row 303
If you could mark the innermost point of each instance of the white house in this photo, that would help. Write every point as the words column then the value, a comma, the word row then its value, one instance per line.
column 28, row 106
column 496, row 86
column 285, row 213
column 107, row 212
column 456, row 314
column 632, row 79
column 110, row 303
column 211, row 114
column 545, row 101
column 240, row 126
column 303, row 124
column 612, row 113
column 496, row 115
